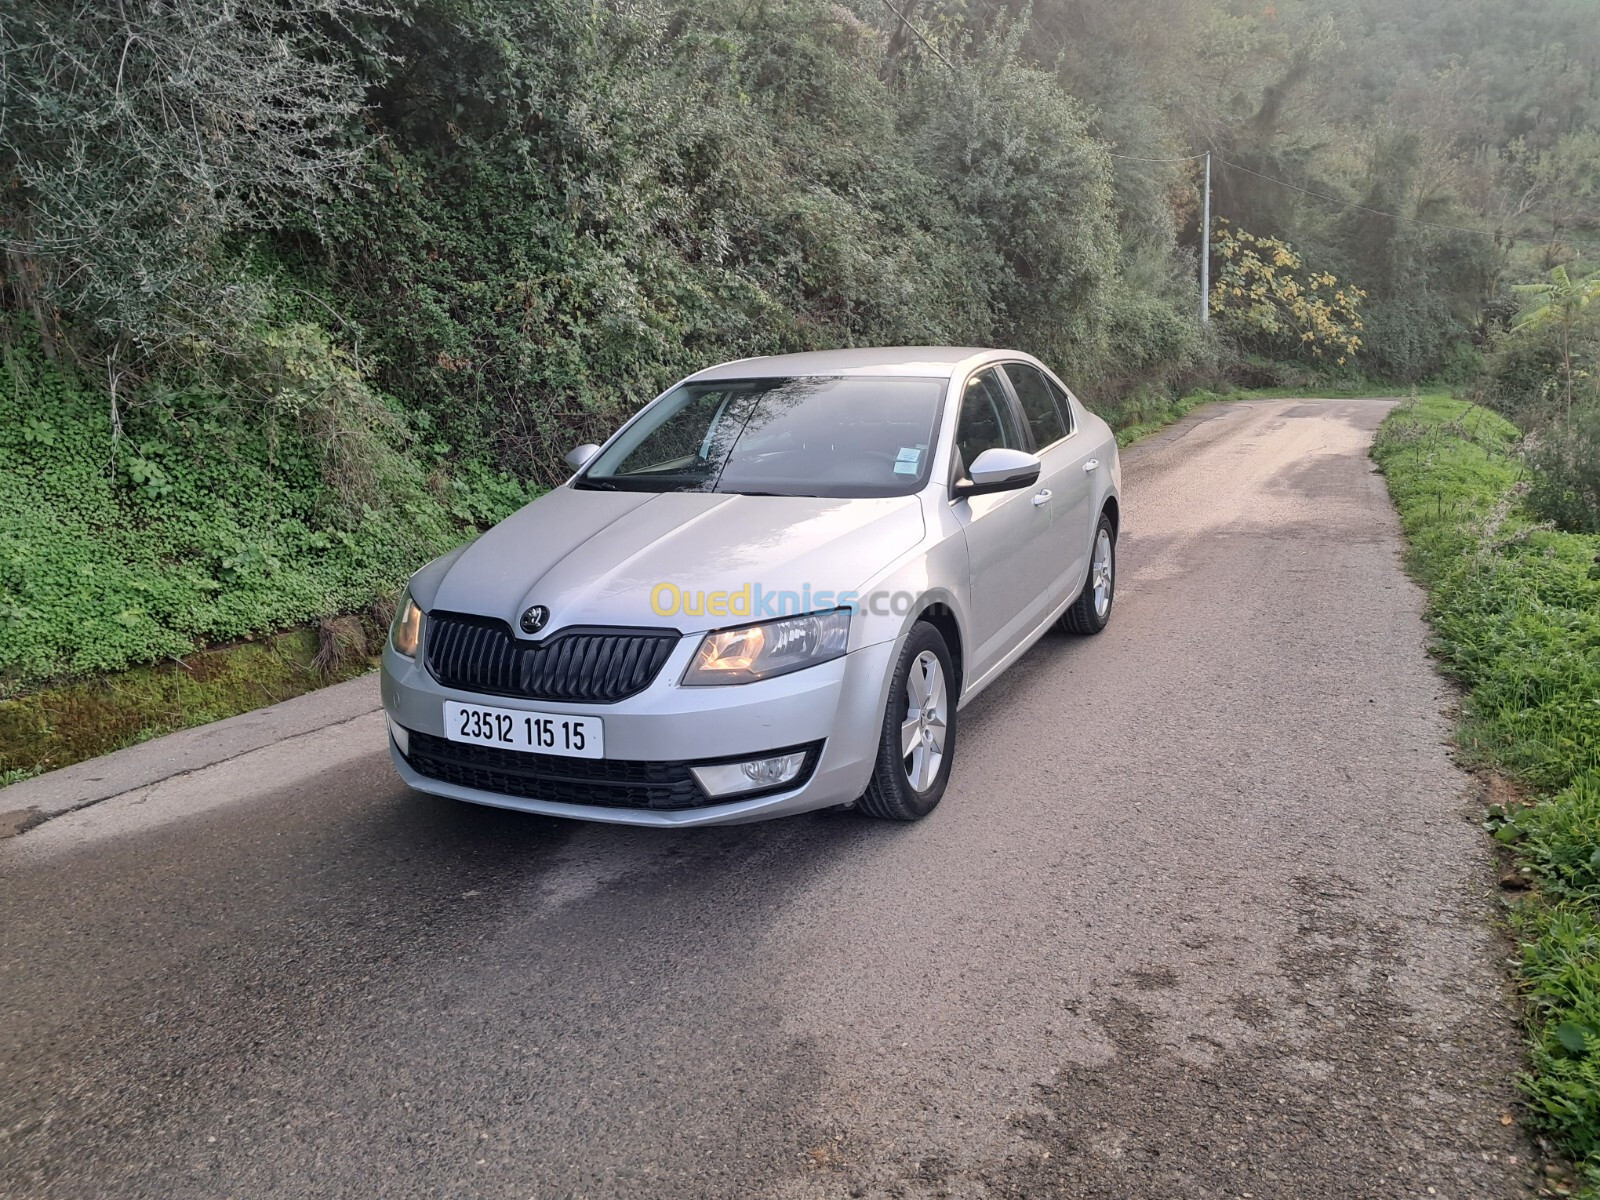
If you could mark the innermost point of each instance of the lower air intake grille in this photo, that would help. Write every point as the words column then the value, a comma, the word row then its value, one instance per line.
column 605, row 783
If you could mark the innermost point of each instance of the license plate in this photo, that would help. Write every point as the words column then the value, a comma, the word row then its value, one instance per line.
column 521, row 729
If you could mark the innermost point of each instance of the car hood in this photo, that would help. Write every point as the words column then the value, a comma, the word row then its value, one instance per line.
column 598, row 558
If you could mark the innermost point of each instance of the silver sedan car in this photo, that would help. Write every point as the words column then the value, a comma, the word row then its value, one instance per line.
column 771, row 591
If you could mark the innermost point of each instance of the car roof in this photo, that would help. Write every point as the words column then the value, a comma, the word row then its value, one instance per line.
column 928, row 362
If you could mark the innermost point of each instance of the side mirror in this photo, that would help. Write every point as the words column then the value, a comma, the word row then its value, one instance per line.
column 579, row 455
column 1000, row 470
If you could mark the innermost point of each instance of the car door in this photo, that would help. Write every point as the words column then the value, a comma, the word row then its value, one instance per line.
column 1054, row 428
column 1009, row 571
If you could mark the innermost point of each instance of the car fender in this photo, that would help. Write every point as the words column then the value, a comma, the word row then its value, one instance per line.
column 1108, row 484
column 1108, row 479
column 424, row 584
column 930, row 579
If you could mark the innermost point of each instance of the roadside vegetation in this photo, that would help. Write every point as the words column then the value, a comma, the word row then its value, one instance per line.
column 296, row 293
column 1515, row 606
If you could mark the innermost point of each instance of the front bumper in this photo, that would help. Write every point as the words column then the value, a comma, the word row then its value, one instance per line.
column 838, row 704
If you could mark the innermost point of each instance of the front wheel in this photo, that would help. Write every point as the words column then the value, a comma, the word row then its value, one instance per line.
column 918, row 741
column 1091, row 611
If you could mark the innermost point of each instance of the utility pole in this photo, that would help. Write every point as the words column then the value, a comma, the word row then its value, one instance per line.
column 1205, row 250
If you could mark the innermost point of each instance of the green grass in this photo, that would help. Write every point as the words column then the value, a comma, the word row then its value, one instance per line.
column 1175, row 411
column 1328, row 391
column 201, row 523
column 1515, row 609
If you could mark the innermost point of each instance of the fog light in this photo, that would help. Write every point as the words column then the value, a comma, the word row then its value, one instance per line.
column 729, row 779
column 402, row 738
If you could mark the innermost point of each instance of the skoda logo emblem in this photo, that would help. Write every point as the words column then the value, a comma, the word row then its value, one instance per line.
column 535, row 619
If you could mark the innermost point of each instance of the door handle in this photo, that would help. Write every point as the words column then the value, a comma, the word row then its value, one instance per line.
column 1091, row 466
column 1041, row 497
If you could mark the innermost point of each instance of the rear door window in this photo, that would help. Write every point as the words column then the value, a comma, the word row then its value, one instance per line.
column 1049, row 420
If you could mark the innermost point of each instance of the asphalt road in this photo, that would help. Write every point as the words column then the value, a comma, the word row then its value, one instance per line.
column 1203, row 914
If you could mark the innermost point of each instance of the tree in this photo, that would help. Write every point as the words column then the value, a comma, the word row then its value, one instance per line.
column 137, row 136
column 1560, row 303
column 1265, row 296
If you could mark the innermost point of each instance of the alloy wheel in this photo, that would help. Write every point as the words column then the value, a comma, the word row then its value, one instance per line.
column 1100, row 576
column 922, row 732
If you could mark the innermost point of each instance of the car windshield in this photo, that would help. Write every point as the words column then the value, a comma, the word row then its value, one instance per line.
column 830, row 436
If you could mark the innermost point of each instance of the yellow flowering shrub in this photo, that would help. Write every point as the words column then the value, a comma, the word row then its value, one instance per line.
column 1265, row 297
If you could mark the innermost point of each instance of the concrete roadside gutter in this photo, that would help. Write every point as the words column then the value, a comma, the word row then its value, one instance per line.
column 33, row 801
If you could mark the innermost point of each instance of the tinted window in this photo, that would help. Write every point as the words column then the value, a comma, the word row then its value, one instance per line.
column 803, row 436
column 1063, row 402
column 986, row 418
column 1038, row 404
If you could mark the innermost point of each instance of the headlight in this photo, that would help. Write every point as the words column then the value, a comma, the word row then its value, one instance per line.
column 772, row 648
column 406, row 632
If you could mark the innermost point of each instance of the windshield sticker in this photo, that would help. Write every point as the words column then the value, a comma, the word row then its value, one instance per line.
column 909, row 454
column 905, row 468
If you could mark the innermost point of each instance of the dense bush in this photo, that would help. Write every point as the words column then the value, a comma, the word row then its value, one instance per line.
column 1565, row 457
column 1409, row 339
column 1463, row 365
column 190, row 528
column 1521, row 375
column 1147, row 333
column 660, row 187
column 138, row 136
column 1542, row 373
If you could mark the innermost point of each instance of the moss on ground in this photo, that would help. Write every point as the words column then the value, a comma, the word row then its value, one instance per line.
column 68, row 723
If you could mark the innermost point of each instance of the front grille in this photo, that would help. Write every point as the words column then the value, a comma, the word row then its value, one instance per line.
column 587, row 666
column 603, row 782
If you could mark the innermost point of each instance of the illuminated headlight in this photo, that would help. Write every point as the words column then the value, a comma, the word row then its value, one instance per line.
column 729, row 779
column 406, row 632
column 754, row 652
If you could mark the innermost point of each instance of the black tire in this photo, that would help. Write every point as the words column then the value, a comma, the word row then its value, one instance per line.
column 891, row 794
column 1085, row 616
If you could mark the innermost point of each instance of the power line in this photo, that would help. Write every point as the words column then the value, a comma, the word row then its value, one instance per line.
column 906, row 21
column 1132, row 158
column 1377, row 212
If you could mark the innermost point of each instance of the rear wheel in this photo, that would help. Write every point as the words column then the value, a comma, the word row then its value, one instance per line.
column 917, row 743
column 1091, row 611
